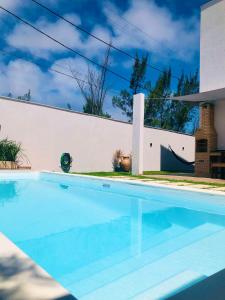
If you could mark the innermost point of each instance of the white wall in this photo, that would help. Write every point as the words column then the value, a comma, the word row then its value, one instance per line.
column 45, row 133
column 212, row 58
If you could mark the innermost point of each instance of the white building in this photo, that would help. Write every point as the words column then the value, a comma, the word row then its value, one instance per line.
column 212, row 91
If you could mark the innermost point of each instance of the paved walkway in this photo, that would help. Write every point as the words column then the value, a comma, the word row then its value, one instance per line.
column 188, row 177
column 165, row 180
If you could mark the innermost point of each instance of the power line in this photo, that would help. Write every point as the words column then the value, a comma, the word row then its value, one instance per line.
column 51, row 69
column 94, row 36
column 122, row 27
column 76, row 78
column 36, row 57
column 115, row 92
column 63, row 45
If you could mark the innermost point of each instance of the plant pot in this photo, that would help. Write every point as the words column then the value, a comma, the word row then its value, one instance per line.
column 125, row 163
column 8, row 165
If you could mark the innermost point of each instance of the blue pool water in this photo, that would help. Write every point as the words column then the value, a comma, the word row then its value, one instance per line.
column 106, row 240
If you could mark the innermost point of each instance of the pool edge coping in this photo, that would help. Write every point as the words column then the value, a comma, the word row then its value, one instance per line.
column 121, row 180
column 140, row 183
column 41, row 285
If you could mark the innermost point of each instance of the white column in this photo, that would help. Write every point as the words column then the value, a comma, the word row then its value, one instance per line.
column 138, row 134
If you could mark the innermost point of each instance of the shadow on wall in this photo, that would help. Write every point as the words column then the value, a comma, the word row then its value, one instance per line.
column 170, row 163
column 14, row 273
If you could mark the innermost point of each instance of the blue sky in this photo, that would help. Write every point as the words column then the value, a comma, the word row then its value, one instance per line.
column 169, row 33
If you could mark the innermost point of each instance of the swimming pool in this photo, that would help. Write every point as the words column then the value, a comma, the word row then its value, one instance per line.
column 106, row 240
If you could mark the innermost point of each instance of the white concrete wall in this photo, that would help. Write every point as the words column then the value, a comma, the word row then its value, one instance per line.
column 45, row 133
column 212, row 58
column 212, row 54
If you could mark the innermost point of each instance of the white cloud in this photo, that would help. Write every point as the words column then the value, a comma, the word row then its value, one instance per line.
column 10, row 4
column 180, row 35
column 164, row 33
column 27, row 39
column 46, row 87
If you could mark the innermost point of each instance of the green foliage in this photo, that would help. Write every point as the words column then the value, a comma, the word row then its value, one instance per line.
column 185, row 112
column 68, row 106
column 94, row 107
column 152, row 176
column 160, row 111
column 94, row 89
column 157, row 105
column 9, row 150
column 138, row 75
column 137, row 83
column 116, row 160
column 25, row 97
column 125, row 103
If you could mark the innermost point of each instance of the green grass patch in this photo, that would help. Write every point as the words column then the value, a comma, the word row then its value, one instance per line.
column 112, row 174
column 149, row 173
column 160, row 172
column 106, row 174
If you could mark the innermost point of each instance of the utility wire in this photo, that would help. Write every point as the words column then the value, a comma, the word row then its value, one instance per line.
column 40, row 65
column 74, row 77
column 63, row 45
column 95, row 37
column 137, row 28
column 115, row 92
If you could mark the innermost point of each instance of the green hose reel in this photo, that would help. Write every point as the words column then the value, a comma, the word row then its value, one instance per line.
column 66, row 162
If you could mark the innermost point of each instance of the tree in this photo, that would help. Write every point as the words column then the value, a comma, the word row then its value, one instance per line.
column 184, row 113
column 25, row 97
column 94, row 89
column 68, row 106
column 157, row 105
column 162, row 112
column 137, row 84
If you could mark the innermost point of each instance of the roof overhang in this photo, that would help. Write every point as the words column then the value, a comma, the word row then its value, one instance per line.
column 210, row 3
column 210, row 96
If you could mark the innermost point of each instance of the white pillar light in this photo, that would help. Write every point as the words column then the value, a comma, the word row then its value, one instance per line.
column 138, row 134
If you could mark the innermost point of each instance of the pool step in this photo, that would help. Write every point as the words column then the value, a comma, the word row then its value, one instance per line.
column 171, row 286
column 128, row 273
column 120, row 256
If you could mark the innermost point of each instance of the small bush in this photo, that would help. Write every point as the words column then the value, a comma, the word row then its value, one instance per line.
column 9, row 150
column 116, row 160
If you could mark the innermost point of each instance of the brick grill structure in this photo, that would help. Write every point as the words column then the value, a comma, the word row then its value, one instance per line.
column 206, row 140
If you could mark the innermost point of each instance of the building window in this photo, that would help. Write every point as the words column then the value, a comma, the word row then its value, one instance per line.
column 202, row 145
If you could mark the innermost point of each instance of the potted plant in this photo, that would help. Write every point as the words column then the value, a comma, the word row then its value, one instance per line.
column 116, row 160
column 121, row 162
column 9, row 154
column 126, row 163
